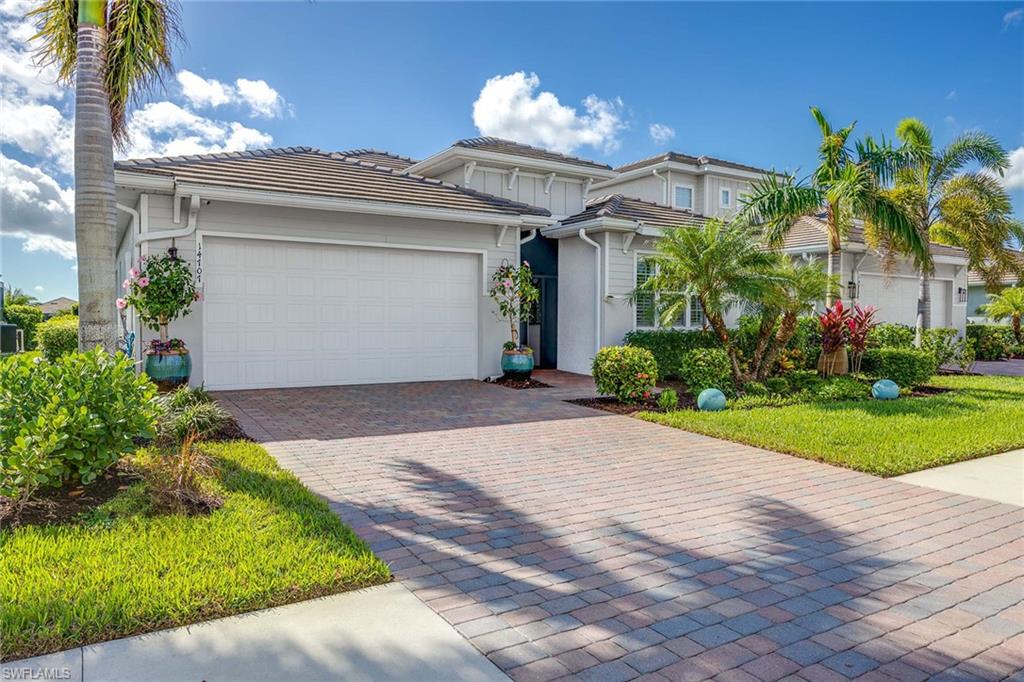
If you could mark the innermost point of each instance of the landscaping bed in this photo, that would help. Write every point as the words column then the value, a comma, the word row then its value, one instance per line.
column 518, row 384
column 954, row 419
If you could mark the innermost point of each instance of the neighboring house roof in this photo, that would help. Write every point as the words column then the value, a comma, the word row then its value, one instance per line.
column 310, row 171
column 812, row 232
column 380, row 158
column 974, row 277
column 687, row 159
column 496, row 144
column 56, row 305
column 624, row 208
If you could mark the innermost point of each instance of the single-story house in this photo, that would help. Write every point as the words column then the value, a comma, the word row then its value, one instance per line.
column 56, row 305
column 362, row 266
column 977, row 292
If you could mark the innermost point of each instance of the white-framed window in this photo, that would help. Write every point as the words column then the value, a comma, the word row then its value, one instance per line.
column 725, row 198
column 647, row 303
column 683, row 197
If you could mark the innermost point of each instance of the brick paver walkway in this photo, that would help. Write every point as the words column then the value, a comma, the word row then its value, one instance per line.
column 564, row 541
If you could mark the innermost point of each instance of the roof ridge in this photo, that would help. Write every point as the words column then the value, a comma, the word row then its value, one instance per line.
column 371, row 150
column 217, row 156
column 473, row 141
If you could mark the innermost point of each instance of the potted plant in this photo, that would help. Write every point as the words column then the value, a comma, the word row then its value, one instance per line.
column 514, row 292
column 162, row 289
column 834, row 334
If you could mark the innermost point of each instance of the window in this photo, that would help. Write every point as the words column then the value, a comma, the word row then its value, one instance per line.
column 647, row 303
column 684, row 197
column 726, row 198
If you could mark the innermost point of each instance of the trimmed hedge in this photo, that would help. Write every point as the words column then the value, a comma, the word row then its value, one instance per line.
column 626, row 372
column 991, row 341
column 891, row 335
column 25, row 318
column 707, row 368
column 908, row 367
column 670, row 345
column 57, row 336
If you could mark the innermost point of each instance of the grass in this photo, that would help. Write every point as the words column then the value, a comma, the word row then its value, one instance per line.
column 982, row 416
column 125, row 570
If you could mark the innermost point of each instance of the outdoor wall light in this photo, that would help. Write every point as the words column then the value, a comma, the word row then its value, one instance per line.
column 851, row 289
column 961, row 295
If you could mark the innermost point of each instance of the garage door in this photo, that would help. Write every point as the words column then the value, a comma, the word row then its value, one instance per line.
column 295, row 314
column 942, row 298
column 895, row 297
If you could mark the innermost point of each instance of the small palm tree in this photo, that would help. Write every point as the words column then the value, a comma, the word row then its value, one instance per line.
column 18, row 297
column 1007, row 305
column 969, row 209
column 846, row 186
column 111, row 50
column 720, row 264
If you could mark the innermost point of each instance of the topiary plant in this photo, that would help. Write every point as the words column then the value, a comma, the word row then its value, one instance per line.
column 626, row 372
column 908, row 367
column 57, row 336
column 26, row 318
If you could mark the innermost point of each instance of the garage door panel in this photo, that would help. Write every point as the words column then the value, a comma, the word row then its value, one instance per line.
column 895, row 297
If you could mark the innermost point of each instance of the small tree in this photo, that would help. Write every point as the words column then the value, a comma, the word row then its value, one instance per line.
column 859, row 324
column 161, row 290
column 513, row 290
column 1009, row 304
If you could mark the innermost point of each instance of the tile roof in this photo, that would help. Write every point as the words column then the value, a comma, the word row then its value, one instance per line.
column 618, row 206
column 686, row 158
column 309, row 171
column 974, row 277
column 379, row 157
column 496, row 144
column 56, row 305
column 811, row 231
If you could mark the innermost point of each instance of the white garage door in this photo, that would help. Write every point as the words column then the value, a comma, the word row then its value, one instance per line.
column 895, row 297
column 295, row 314
column 942, row 298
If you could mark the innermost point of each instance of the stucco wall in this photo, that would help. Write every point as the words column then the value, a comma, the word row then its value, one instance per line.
column 564, row 198
column 268, row 220
column 575, row 305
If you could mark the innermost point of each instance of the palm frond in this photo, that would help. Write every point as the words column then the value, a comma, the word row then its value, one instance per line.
column 56, row 37
column 776, row 204
column 891, row 219
column 914, row 132
column 970, row 147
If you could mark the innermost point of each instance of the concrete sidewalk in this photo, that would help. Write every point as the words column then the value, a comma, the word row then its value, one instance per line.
column 380, row 633
column 996, row 477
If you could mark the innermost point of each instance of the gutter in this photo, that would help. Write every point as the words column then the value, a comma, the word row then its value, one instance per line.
column 597, row 287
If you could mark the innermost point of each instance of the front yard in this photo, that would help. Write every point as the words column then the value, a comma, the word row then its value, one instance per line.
column 126, row 568
column 981, row 416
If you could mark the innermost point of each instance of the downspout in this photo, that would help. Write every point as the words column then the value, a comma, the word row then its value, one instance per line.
column 190, row 227
column 530, row 237
column 664, row 182
column 597, row 287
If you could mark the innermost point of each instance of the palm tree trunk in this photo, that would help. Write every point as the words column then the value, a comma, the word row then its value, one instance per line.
column 95, row 200
column 787, row 327
column 924, row 306
column 834, row 246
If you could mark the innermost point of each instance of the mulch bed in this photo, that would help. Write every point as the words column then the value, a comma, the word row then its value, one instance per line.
column 518, row 384
column 67, row 503
column 613, row 405
column 925, row 391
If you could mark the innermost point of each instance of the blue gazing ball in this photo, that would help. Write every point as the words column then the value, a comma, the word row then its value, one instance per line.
column 711, row 400
column 885, row 389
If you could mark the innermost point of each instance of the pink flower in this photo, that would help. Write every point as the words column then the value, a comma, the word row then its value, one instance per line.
column 143, row 281
column 526, row 263
column 133, row 273
column 125, row 284
column 199, row 296
column 508, row 283
column 121, row 304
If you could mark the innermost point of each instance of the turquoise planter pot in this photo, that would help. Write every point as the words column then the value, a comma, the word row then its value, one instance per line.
column 516, row 365
column 170, row 370
column 711, row 400
column 885, row 389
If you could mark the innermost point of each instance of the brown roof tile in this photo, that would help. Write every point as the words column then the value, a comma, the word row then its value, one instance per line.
column 974, row 277
column 686, row 158
column 496, row 144
column 381, row 158
column 810, row 231
column 618, row 206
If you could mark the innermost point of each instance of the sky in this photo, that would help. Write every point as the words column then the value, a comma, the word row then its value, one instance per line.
column 613, row 82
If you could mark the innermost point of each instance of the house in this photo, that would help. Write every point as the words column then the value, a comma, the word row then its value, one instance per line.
column 363, row 266
column 56, row 305
column 977, row 292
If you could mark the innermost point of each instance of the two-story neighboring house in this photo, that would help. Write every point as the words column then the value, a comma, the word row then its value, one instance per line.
column 362, row 266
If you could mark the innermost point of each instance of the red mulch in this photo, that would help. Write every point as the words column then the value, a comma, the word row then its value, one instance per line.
column 518, row 384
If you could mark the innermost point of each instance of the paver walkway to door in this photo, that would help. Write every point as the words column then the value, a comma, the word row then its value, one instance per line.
column 565, row 541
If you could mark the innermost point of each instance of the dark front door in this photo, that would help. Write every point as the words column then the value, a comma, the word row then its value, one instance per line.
column 547, row 318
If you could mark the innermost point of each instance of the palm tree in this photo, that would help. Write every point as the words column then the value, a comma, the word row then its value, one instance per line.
column 111, row 50
column 1007, row 305
column 720, row 264
column 942, row 200
column 18, row 297
column 846, row 186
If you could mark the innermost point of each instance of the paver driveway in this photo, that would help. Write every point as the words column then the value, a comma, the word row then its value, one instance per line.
column 560, row 540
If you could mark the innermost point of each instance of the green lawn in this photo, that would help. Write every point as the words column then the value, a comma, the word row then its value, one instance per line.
column 982, row 416
column 127, row 571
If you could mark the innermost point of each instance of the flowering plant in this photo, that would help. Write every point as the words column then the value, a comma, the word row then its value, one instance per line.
column 512, row 288
column 160, row 289
column 834, row 329
column 858, row 325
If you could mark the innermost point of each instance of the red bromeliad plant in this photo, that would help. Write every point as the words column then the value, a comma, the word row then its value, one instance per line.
column 834, row 334
column 859, row 323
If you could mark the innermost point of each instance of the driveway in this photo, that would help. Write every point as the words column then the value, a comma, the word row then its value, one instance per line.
column 1006, row 368
column 561, row 540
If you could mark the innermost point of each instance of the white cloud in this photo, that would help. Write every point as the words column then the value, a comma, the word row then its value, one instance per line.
column 510, row 107
column 1013, row 17
column 1013, row 178
column 166, row 129
column 36, row 209
column 41, row 130
column 39, row 288
column 257, row 95
column 661, row 133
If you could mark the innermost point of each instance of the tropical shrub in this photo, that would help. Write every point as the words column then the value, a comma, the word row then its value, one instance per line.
column 57, row 336
column 804, row 380
column 190, row 413
column 69, row 418
column 991, row 341
column 707, row 368
column 859, row 325
column 840, row 388
column 834, row 325
column 947, row 347
column 26, row 318
column 626, row 372
column 668, row 400
column 891, row 335
column 161, row 289
column 908, row 367
column 776, row 385
column 1007, row 305
column 754, row 388
column 669, row 346
column 513, row 291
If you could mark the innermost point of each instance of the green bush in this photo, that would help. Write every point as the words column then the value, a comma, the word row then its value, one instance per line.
column 57, row 336
column 754, row 388
column 948, row 348
column 908, row 367
column 776, row 385
column 189, row 410
column 991, row 341
column 626, row 372
column 25, row 318
column 668, row 400
column 749, row 402
column 804, row 380
column 891, row 335
column 707, row 368
column 69, row 418
column 670, row 345
column 800, row 353
column 841, row 388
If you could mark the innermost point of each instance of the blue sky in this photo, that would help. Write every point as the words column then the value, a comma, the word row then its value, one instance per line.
column 731, row 80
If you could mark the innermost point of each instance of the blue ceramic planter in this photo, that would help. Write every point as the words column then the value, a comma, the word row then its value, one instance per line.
column 516, row 364
column 169, row 370
column 711, row 400
column 885, row 389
